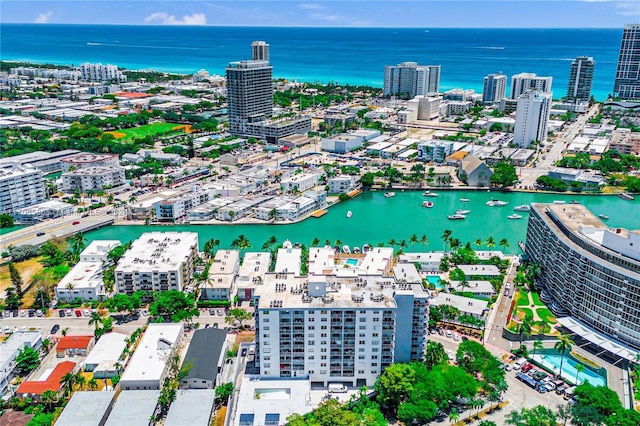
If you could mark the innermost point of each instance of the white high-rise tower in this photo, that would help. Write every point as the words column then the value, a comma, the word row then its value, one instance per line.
column 532, row 118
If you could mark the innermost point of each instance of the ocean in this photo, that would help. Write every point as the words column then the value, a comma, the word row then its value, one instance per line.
column 342, row 55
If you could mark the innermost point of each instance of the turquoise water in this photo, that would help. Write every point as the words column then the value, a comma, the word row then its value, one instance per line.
column 342, row 55
column 432, row 279
column 352, row 262
column 377, row 219
column 551, row 359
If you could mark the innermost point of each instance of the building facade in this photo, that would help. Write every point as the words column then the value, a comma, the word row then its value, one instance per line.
column 249, row 94
column 92, row 178
column 20, row 187
column 84, row 159
column 495, row 88
column 627, row 82
column 99, row 72
column 524, row 82
column 581, row 79
column 532, row 118
column 588, row 271
column 409, row 79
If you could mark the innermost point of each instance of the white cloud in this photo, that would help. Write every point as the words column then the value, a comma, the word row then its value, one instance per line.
column 43, row 18
column 309, row 6
column 628, row 9
column 166, row 19
column 336, row 19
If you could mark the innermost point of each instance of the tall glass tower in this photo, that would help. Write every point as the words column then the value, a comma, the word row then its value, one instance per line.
column 580, row 79
column 627, row 83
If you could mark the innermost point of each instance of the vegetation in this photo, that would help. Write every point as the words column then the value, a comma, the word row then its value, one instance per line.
column 504, row 175
column 27, row 360
column 6, row 221
column 173, row 305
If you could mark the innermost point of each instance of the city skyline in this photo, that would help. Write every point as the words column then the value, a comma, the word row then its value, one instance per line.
column 401, row 13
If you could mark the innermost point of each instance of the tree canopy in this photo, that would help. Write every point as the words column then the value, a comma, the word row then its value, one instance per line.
column 174, row 305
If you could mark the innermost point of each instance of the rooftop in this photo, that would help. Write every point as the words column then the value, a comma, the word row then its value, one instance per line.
column 480, row 270
column 474, row 287
column 82, row 275
column 205, row 351
column 85, row 157
column 52, row 382
column 108, row 348
column 254, row 265
column 86, row 408
column 191, row 407
column 99, row 248
column 133, row 407
column 466, row 305
column 74, row 342
column 158, row 250
column 18, row 340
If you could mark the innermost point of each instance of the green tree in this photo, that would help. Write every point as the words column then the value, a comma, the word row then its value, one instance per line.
column 6, row 221
column 223, row 392
column 424, row 241
column 603, row 400
column 536, row 416
column 524, row 327
column 504, row 175
column 395, row 385
column 413, row 239
column 579, row 369
column 67, row 381
column 95, row 320
column 241, row 243
column 454, row 416
column 434, row 354
column 446, row 237
column 563, row 345
column 174, row 305
column 239, row 315
column 49, row 397
column 27, row 360
column 16, row 279
column 537, row 345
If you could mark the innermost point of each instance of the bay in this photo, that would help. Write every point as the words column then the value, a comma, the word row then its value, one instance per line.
column 377, row 219
column 342, row 55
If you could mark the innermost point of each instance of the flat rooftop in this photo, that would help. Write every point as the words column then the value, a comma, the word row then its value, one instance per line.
column 466, row 305
column 108, row 348
column 83, row 275
column 100, row 247
column 155, row 251
column 86, row 408
column 191, row 407
column 133, row 407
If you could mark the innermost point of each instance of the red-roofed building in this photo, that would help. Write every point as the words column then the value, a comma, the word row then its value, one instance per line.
column 74, row 345
column 35, row 388
column 132, row 95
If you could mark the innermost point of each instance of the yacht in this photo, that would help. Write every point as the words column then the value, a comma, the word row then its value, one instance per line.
column 345, row 249
column 349, row 214
column 429, row 194
column 514, row 216
column 366, row 248
column 603, row 216
column 626, row 196
column 463, row 212
column 464, row 200
column 356, row 250
column 456, row 216
column 522, row 208
column 389, row 194
column 559, row 202
column 497, row 203
column 428, row 204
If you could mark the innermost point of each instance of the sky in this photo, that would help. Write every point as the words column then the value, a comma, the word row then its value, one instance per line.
column 334, row 13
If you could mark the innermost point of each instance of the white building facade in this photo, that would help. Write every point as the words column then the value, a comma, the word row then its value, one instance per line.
column 532, row 118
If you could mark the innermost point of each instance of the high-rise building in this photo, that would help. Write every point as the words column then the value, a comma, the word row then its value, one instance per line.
column 99, row 72
column 250, row 99
column 580, row 79
column 20, row 187
column 521, row 83
column 532, row 118
column 590, row 274
column 495, row 88
column 260, row 51
column 409, row 79
column 627, row 83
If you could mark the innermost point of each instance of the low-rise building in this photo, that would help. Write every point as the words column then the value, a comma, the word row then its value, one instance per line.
column 205, row 358
column 251, row 274
column 288, row 259
column 477, row 288
column 429, row 262
column 51, row 209
column 104, row 356
column 480, row 270
column 300, row 182
column 170, row 209
column 92, row 178
column 52, row 381
column 193, row 407
column 148, row 366
column 157, row 261
column 295, row 209
column 87, row 408
column 346, row 142
column 83, row 160
column 342, row 184
column 9, row 350
column 134, row 407
column 222, row 275
column 475, row 172
column 435, row 150
column 84, row 281
column 465, row 305
column 240, row 208
column 74, row 346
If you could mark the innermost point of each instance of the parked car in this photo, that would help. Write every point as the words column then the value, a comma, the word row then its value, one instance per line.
column 68, row 312
column 207, row 325
column 450, row 354
column 78, row 313
column 23, row 313
column 507, row 367
column 86, row 313
column 526, row 367
column 61, row 313
column 456, row 337
column 31, row 313
column 212, row 311
column 220, row 312
column 440, row 332
column 55, row 329
column 39, row 313
column 215, row 325
column 560, row 389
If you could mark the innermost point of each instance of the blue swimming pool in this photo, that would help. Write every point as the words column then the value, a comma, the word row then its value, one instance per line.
column 551, row 359
column 435, row 280
column 352, row 262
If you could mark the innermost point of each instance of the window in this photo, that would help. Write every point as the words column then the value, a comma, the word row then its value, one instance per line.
column 311, row 335
column 266, row 328
column 323, row 349
column 311, row 357
column 374, row 364
column 311, row 327
column 266, row 335
column 374, row 356
column 323, row 327
column 267, row 358
column 323, row 364
column 311, row 342
column 265, row 320
column 323, row 342
column 323, row 357
column 361, row 342
column 266, row 365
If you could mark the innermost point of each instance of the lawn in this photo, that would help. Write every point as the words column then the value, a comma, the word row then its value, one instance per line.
column 149, row 130
column 546, row 316
column 536, row 299
column 522, row 299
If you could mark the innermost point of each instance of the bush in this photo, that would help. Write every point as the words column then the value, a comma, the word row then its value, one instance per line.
column 23, row 252
column 213, row 303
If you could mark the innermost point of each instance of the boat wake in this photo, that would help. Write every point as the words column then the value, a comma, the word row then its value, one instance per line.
column 143, row 46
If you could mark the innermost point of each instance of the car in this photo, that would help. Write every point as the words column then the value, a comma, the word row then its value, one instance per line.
column 40, row 234
column 243, row 352
column 432, row 331
column 456, row 337
column 61, row 313
column 450, row 354
column 215, row 325
column 39, row 313
column 540, row 375
column 15, row 313
column 526, row 367
column 145, row 313
column 207, row 325
column 31, row 313
column 23, row 313
column 448, row 333
column 55, row 329
column 76, row 222
column 465, row 338
column 541, row 388
column 440, row 332
column 7, row 314
column 220, row 312
column 212, row 311
column 560, row 389
column 252, row 350
column 78, row 313
column 68, row 312
column 86, row 313
column 7, row 330
column 507, row 367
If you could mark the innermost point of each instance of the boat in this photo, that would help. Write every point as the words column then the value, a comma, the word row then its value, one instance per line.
column 366, row 248
column 345, row 249
column 429, row 194
column 464, row 200
column 428, row 204
column 574, row 202
column 349, row 214
column 356, row 250
column 463, row 212
column 456, row 217
column 497, row 203
column 514, row 216
column 522, row 208
column 626, row 196
column 559, row 202
column 389, row 194
column 603, row 216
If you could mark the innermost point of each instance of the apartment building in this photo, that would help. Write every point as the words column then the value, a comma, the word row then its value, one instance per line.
column 342, row 184
column 526, row 81
column 300, row 182
column 532, row 118
column 92, row 178
column 494, row 88
column 435, row 150
column 222, row 276
column 170, row 209
column 590, row 274
column 627, row 82
column 157, row 261
column 99, row 72
column 20, row 187
column 251, row 274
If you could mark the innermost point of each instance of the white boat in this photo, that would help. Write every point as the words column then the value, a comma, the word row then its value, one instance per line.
column 356, row 250
column 345, row 249
column 428, row 204
column 389, row 194
column 463, row 212
column 464, row 200
column 366, row 248
column 522, row 208
column 603, row 216
column 514, row 216
column 626, row 196
column 349, row 214
column 456, row 217
column 429, row 194
column 559, row 202
column 497, row 203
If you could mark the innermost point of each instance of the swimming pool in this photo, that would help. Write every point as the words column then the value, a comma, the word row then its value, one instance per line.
column 551, row 359
column 435, row 280
column 352, row 262
column 273, row 393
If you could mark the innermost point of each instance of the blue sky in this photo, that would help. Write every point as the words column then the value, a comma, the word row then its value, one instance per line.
column 344, row 13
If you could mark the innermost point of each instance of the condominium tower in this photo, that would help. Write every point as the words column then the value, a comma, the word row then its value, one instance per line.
column 99, row 72
column 409, row 79
column 260, row 51
column 495, row 88
column 590, row 274
column 580, row 79
column 532, row 118
column 521, row 83
column 627, row 82
column 20, row 186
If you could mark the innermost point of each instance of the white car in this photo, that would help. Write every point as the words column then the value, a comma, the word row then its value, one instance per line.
column 456, row 337
column 450, row 354
column 86, row 313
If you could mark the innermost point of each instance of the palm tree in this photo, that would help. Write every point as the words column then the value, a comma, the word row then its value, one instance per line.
column 269, row 243
column 49, row 397
column 537, row 345
column 493, row 396
column 403, row 245
column 454, row 243
column 67, row 381
column 413, row 239
column 504, row 243
column 454, row 416
column 524, row 328
column 478, row 242
column 80, row 381
column 392, row 242
column 93, row 384
column 242, row 243
column 315, row 242
column 563, row 345
column 327, row 243
column 490, row 242
column 446, row 235
column 579, row 369
column 95, row 320
column 46, row 345
column 132, row 199
column 210, row 247
column 479, row 404
column 424, row 241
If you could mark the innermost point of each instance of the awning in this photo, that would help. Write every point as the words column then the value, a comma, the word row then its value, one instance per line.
column 607, row 343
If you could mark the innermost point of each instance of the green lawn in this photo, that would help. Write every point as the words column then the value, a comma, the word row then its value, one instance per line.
column 546, row 315
column 146, row 130
column 522, row 299
column 536, row 299
column 523, row 312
